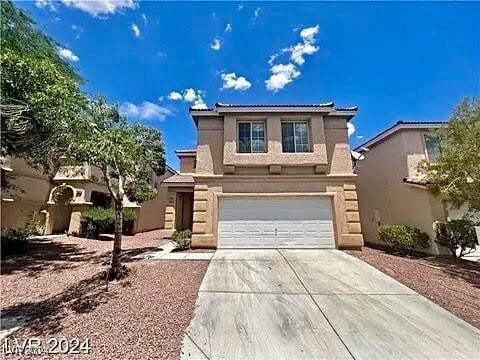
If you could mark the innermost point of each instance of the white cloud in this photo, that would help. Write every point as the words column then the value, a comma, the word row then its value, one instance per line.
column 199, row 104
column 308, row 34
column 144, row 111
column 67, row 54
column 255, row 16
column 228, row 27
column 216, row 44
column 240, row 7
column 189, row 95
column 160, row 98
column 350, row 128
column 299, row 50
column 281, row 75
column 78, row 30
column 175, row 95
column 45, row 4
column 359, row 137
column 307, row 47
column 195, row 97
column 231, row 81
column 136, row 30
column 145, row 19
column 101, row 7
column 272, row 59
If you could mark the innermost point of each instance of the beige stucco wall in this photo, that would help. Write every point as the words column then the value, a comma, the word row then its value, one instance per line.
column 31, row 195
column 187, row 164
column 151, row 214
column 382, row 194
column 210, row 146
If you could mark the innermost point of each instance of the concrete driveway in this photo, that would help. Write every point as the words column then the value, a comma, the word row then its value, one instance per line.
column 322, row 304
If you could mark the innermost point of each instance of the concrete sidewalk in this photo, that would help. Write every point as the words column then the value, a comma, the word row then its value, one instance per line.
column 166, row 252
column 266, row 304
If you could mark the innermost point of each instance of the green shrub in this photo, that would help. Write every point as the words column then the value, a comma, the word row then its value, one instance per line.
column 182, row 239
column 457, row 235
column 129, row 218
column 403, row 238
column 99, row 220
column 14, row 241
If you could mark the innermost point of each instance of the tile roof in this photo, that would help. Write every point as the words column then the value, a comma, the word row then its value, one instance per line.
column 328, row 104
column 422, row 181
column 179, row 179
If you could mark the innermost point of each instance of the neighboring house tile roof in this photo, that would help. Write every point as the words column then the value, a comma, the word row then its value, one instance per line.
column 398, row 126
column 179, row 179
column 422, row 181
column 185, row 151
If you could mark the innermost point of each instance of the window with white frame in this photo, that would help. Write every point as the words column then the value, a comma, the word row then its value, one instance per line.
column 433, row 148
column 251, row 137
column 295, row 137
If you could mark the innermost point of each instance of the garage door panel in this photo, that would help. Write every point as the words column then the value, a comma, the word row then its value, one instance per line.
column 275, row 222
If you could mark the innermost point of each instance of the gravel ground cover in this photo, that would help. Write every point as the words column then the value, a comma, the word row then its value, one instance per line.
column 454, row 285
column 60, row 289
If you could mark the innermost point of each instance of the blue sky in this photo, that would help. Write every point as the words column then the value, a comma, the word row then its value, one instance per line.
column 396, row 61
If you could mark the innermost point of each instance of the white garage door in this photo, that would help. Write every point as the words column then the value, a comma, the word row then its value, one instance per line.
column 275, row 223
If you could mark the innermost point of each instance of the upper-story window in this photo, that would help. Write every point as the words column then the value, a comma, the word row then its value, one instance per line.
column 295, row 137
column 433, row 148
column 251, row 137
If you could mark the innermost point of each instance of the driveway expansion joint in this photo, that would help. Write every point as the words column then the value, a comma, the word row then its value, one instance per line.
column 311, row 297
column 196, row 345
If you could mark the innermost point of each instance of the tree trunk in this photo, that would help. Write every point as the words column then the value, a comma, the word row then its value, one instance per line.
column 115, row 266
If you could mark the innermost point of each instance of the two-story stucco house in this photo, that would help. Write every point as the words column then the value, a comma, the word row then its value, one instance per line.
column 267, row 176
column 390, row 188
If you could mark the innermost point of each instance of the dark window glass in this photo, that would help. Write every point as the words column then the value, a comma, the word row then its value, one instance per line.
column 288, row 141
column 100, row 199
column 295, row 137
column 433, row 148
column 251, row 137
column 258, row 138
column 244, row 137
column 301, row 137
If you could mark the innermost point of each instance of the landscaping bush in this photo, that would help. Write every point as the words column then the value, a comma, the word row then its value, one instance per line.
column 182, row 239
column 14, row 241
column 403, row 238
column 100, row 221
column 457, row 234
column 129, row 218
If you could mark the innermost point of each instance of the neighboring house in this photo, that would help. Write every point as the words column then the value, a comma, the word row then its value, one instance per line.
column 267, row 176
column 390, row 188
column 75, row 189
